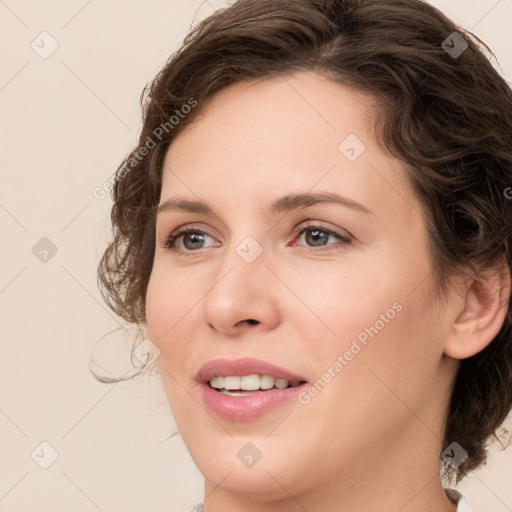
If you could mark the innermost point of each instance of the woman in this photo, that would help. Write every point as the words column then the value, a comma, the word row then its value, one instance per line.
column 315, row 231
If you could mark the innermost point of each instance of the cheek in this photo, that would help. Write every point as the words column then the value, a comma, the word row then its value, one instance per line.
column 340, row 299
column 157, row 304
column 169, row 303
column 170, row 322
column 366, row 313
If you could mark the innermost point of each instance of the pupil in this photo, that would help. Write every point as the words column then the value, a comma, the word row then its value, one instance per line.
column 195, row 238
column 315, row 236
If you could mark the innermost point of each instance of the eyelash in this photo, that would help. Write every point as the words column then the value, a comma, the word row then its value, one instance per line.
column 169, row 242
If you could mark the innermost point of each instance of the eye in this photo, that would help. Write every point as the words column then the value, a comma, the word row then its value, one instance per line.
column 192, row 239
column 318, row 235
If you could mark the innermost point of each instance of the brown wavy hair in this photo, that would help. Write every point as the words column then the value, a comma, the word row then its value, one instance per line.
column 447, row 117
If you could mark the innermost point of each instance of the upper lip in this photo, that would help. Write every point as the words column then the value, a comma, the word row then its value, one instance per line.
column 244, row 366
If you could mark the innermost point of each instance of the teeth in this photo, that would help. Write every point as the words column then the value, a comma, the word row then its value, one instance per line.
column 231, row 383
column 281, row 383
column 236, row 393
column 217, row 382
column 250, row 382
column 266, row 382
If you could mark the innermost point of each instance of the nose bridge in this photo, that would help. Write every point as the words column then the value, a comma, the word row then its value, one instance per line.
column 248, row 245
column 243, row 271
column 244, row 287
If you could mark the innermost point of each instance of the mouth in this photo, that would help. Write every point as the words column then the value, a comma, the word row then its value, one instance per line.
column 245, row 389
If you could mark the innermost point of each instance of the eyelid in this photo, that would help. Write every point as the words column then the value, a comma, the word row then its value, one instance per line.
column 344, row 237
column 341, row 233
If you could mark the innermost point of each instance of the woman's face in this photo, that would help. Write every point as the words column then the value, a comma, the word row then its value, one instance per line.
column 337, row 294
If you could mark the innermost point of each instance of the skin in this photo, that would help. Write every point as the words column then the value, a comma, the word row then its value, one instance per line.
column 371, row 438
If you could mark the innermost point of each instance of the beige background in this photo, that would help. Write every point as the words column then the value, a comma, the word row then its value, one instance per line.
column 67, row 121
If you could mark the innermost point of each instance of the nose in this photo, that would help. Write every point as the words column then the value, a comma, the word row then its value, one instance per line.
column 243, row 297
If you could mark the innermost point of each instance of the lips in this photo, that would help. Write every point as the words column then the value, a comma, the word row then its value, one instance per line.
column 246, row 406
column 244, row 366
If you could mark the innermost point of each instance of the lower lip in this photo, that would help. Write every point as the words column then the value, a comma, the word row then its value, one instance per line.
column 246, row 408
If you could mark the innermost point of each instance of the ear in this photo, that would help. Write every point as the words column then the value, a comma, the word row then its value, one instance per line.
column 484, row 310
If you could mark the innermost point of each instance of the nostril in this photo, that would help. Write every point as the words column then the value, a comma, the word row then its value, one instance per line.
column 253, row 322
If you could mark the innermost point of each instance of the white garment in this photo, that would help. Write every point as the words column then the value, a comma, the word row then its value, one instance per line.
column 453, row 495
column 456, row 497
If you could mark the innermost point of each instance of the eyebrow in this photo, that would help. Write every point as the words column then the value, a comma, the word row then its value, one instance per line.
column 284, row 204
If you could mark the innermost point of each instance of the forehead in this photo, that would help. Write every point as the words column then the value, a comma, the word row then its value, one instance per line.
column 296, row 133
column 300, row 110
